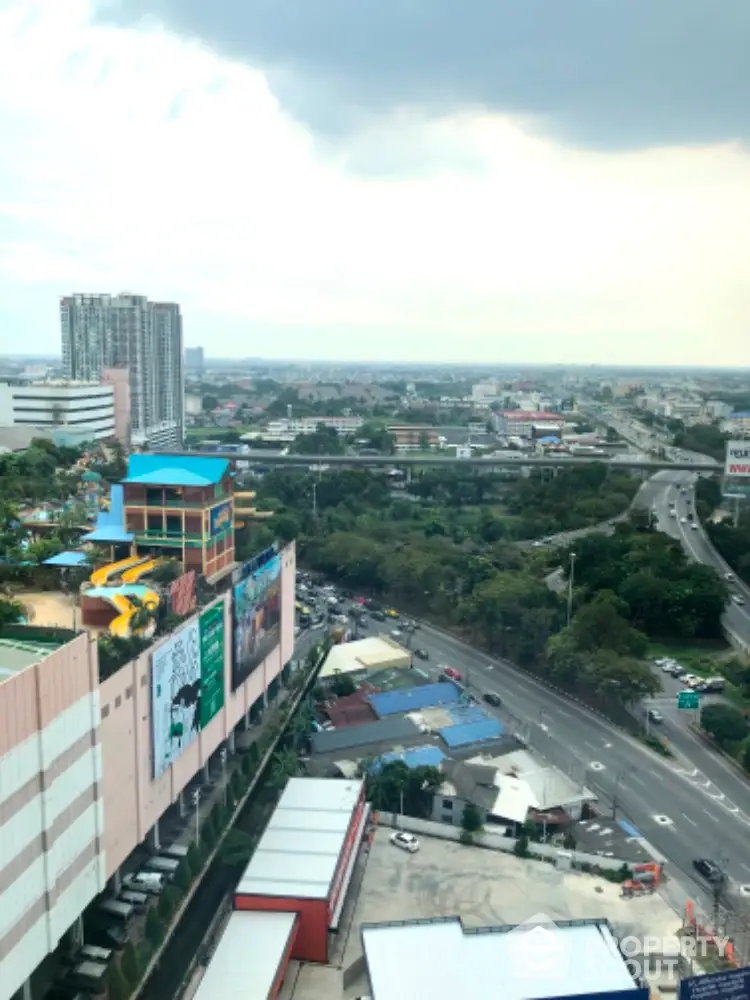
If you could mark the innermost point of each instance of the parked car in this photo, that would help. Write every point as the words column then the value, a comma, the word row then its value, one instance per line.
column 406, row 841
column 377, row 616
column 397, row 633
column 422, row 654
column 492, row 699
column 391, row 613
column 709, row 870
column 151, row 882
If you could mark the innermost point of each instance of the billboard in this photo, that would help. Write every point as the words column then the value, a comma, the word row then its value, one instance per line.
column 257, row 616
column 187, row 686
column 737, row 464
column 221, row 517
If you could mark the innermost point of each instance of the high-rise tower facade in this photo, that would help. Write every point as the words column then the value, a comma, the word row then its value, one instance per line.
column 128, row 331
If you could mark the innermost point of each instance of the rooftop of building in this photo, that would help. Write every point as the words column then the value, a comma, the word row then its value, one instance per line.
column 373, row 653
column 18, row 652
column 176, row 470
column 441, row 959
column 297, row 856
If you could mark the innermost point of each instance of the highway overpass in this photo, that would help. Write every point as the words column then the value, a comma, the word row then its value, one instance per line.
column 404, row 461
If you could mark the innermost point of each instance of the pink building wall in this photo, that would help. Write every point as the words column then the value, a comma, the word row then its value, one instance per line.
column 133, row 800
column 118, row 378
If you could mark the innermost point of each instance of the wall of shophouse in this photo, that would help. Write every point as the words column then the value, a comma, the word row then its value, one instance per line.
column 133, row 799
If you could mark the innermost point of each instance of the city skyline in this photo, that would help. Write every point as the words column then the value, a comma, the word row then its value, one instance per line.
column 496, row 219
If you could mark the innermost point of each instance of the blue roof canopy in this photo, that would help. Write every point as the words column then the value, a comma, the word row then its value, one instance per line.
column 110, row 524
column 66, row 559
column 176, row 470
column 412, row 699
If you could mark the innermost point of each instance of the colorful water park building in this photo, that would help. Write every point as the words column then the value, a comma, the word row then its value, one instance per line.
column 179, row 507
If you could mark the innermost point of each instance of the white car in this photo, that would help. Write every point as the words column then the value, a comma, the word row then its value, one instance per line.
column 151, row 883
column 397, row 633
column 406, row 841
column 683, row 520
column 738, row 600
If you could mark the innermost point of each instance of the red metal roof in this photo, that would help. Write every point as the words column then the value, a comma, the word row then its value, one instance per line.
column 530, row 415
column 352, row 709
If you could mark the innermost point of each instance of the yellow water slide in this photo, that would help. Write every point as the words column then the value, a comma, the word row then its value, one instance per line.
column 100, row 577
column 251, row 512
column 136, row 572
column 120, row 626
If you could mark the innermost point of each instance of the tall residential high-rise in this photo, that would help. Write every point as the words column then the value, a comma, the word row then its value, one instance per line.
column 128, row 331
column 194, row 358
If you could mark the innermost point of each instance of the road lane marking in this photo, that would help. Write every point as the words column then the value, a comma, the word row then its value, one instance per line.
column 693, row 823
column 743, row 865
column 589, row 745
column 639, row 781
column 711, row 816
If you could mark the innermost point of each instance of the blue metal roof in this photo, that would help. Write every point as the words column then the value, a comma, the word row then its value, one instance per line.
column 462, row 714
column 110, row 524
column 471, row 732
column 176, row 470
column 66, row 559
column 412, row 699
column 740, row 413
column 416, row 757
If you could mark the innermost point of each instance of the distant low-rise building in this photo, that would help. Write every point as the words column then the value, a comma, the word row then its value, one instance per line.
column 737, row 423
column 528, row 423
column 286, row 429
column 414, row 437
column 84, row 410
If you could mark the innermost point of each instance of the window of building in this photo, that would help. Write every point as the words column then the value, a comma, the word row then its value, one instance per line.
column 448, row 804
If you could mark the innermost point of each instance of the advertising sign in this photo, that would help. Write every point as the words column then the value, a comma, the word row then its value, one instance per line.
column 737, row 463
column 187, row 686
column 257, row 617
column 733, row 984
column 212, row 662
column 182, row 594
column 175, row 695
column 221, row 517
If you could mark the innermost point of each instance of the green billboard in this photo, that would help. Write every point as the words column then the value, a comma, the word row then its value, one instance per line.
column 211, row 624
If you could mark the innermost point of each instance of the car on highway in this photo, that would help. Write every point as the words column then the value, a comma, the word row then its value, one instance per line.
column 397, row 633
column 655, row 716
column 709, row 870
column 492, row 699
column 452, row 673
column 391, row 613
column 729, row 577
column 422, row 654
column 406, row 841
column 683, row 520
column 738, row 599
column 694, row 525
column 377, row 616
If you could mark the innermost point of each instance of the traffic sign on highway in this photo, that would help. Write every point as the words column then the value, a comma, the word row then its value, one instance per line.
column 688, row 699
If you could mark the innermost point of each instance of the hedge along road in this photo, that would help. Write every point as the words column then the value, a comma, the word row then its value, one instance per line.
column 682, row 813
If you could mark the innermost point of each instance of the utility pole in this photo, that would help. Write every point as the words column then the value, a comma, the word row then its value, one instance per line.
column 315, row 500
column 571, row 579
column 618, row 779
column 197, row 804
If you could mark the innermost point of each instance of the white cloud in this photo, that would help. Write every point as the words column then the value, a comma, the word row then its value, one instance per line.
column 134, row 160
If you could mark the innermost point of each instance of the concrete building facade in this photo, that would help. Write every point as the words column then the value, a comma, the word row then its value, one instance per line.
column 83, row 409
column 106, row 331
column 51, row 808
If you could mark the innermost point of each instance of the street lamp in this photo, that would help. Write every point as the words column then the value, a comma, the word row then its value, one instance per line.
column 223, row 758
column 571, row 578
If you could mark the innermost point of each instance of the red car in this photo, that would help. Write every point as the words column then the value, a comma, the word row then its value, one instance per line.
column 453, row 674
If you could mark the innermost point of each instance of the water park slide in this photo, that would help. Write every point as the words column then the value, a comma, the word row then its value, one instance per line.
column 136, row 572
column 100, row 577
column 121, row 625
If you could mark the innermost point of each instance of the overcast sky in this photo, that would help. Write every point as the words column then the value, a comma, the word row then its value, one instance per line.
column 416, row 180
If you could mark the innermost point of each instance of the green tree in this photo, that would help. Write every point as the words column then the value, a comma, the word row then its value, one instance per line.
column 183, row 877
column 118, row 987
column 209, row 403
column 471, row 818
column 724, row 723
column 343, row 685
column 130, row 965
column 154, row 928
column 237, row 848
column 284, row 765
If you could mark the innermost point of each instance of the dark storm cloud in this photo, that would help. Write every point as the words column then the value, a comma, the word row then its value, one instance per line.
column 602, row 73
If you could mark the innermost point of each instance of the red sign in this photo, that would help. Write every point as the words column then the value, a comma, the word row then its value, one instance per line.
column 182, row 594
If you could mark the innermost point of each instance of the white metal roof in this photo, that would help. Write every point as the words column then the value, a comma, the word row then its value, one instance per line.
column 298, row 853
column 248, row 957
column 376, row 652
column 442, row 961
column 514, row 799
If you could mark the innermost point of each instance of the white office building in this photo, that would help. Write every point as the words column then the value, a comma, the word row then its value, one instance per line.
column 286, row 429
column 115, row 331
column 85, row 410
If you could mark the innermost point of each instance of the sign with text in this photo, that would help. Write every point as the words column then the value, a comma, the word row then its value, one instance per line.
column 221, row 518
column 733, row 984
column 688, row 699
column 737, row 463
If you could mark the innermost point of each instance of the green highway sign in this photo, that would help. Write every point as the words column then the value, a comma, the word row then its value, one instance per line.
column 688, row 699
